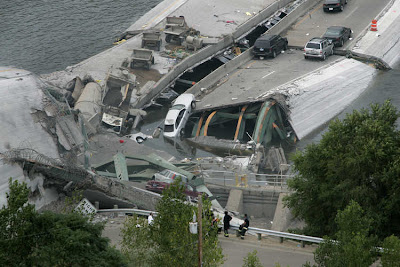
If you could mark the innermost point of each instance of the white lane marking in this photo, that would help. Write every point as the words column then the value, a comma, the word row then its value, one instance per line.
column 351, row 13
column 267, row 75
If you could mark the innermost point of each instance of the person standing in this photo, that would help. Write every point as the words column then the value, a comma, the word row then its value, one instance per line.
column 227, row 219
column 244, row 226
column 150, row 219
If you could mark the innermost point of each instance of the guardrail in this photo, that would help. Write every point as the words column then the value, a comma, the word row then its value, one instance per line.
column 136, row 211
column 257, row 231
column 282, row 235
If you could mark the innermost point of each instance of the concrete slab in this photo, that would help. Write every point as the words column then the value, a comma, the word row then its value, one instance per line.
column 257, row 77
column 215, row 18
column 21, row 96
column 156, row 15
column 384, row 43
column 211, row 18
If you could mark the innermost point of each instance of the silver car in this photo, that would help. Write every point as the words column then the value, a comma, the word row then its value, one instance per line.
column 318, row 48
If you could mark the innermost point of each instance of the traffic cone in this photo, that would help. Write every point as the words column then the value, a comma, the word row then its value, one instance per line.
column 374, row 26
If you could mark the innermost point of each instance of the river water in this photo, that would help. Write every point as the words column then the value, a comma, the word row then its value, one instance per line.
column 43, row 36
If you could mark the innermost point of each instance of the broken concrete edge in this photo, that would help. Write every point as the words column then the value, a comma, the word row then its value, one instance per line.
column 376, row 61
column 112, row 187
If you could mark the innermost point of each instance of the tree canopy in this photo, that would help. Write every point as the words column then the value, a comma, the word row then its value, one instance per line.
column 357, row 159
column 353, row 245
column 29, row 238
column 167, row 241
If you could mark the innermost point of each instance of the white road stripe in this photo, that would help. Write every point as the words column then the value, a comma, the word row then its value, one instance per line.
column 351, row 13
column 267, row 75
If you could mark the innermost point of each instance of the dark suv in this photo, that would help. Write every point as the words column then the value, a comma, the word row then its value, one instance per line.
column 269, row 45
column 331, row 5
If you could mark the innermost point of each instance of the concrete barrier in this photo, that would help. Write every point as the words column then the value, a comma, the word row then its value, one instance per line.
column 209, row 51
column 142, row 198
column 217, row 74
column 287, row 21
column 235, row 201
column 247, row 27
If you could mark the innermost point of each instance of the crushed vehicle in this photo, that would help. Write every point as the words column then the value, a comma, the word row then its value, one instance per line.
column 168, row 176
column 116, row 100
column 178, row 115
column 163, row 179
column 152, row 40
column 158, row 187
column 318, row 48
column 140, row 58
column 269, row 45
column 338, row 35
column 334, row 5
column 176, row 30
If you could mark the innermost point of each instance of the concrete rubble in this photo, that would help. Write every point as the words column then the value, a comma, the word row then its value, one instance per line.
column 53, row 131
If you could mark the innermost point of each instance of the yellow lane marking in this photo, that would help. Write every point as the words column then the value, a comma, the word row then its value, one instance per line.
column 237, row 72
column 162, row 12
column 305, row 16
column 7, row 70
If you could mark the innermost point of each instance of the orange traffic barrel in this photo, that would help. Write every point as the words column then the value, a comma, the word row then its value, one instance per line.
column 374, row 26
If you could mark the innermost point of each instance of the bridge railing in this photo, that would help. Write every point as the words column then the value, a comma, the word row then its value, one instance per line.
column 238, row 178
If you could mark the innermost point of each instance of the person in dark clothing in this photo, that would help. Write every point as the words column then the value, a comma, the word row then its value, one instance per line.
column 227, row 219
column 244, row 226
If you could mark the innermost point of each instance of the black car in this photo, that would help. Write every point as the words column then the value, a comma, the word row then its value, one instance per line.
column 269, row 45
column 338, row 34
column 332, row 5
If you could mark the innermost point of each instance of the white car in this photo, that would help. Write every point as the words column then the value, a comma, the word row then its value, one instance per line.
column 178, row 115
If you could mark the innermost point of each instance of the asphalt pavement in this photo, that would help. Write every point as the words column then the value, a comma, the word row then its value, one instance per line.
column 356, row 15
column 269, row 251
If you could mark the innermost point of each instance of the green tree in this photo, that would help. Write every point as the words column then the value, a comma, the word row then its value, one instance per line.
column 252, row 260
column 28, row 238
column 168, row 241
column 357, row 159
column 391, row 252
column 353, row 246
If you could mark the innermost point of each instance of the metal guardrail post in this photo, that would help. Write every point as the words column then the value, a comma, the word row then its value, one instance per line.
column 258, row 236
column 115, row 213
column 281, row 240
